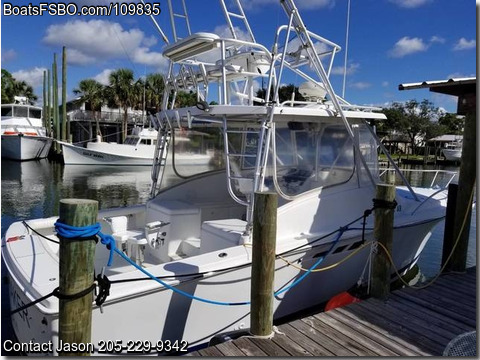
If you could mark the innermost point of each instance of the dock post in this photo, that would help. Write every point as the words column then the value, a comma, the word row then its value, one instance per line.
column 466, row 184
column 76, row 274
column 65, row 122
column 448, row 236
column 263, row 263
column 383, row 234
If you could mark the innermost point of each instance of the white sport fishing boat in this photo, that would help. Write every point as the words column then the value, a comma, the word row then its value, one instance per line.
column 319, row 156
column 23, row 135
column 137, row 149
column 453, row 150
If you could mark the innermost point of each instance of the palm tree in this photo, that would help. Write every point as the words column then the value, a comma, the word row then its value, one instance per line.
column 155, row 86
column 7, row 87
column 121, row 93
column 93, row 93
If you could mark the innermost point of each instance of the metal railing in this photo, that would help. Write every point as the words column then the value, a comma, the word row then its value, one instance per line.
column 441, row 178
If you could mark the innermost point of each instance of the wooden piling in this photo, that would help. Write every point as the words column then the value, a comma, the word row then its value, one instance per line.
column 76, row 273
column 466, row 184
column 49, row 104
column 65, row 123
column 383, row 233
column 56, row 119
column 448, row 233
column 44, row 113
column 263, row 263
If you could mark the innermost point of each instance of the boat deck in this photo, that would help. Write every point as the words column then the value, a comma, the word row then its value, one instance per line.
column 410, row 323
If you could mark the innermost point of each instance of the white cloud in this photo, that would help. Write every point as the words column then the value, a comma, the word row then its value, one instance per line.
column 410, row 4
column 458, row 75
column 224, row 31
column 464, row 44
column 406, row 46
column 76, row 57
column 102, row 78
column 150, row 41
column 142, row 55
column 8, row 55
column 360, row 85
column 96, row 41
column 351, row 69
column 33, row 77
column 437, row 39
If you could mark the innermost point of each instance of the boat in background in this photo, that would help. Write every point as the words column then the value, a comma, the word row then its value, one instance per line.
column 194, row 239
column 453, row 150
column 23, row 135
column 137, row 149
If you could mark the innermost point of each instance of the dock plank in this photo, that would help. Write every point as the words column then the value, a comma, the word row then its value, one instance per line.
column 411, row 322
column 395, row 344
column 270, row 347
column 352, row 332
column 248, row 347
column 229, row 349
column 337, row 337
column 289, row 346
column 304, row 341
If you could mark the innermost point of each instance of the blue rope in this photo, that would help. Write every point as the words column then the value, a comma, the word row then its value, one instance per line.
column 70, row 232
column 318, row 262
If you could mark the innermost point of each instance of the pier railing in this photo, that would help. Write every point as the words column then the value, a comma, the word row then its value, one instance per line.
column 424, row 178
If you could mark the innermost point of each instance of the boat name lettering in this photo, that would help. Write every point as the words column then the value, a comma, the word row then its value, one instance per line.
column 16, row 302
column 92, row 155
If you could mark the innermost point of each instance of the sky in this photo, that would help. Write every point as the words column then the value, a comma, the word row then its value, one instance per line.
column 391, row 42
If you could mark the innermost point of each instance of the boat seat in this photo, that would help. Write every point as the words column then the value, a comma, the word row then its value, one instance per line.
column 132, row 240
column 221, row 234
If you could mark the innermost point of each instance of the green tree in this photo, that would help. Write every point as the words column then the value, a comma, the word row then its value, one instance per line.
column 93, row 93
column 21, row 88
column 185, row 99
column 154, row 88
column 121, row 93
column 7, row 87
column 453, row 124
column 284, row 93
column 412, row 119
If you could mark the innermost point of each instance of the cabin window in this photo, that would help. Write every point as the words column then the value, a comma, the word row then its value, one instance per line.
column 35, row 113
column 131, row 140
column 146, row 142
column 197, row 150
column 20, row 111
column 312, row 155
column 7, row 111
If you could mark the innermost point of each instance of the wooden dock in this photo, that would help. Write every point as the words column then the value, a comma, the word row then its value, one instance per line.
column 410, row 323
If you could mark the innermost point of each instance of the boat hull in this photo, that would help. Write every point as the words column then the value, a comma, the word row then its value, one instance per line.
column 24, row 147
column 75, row 155
column 153, row 313
column 452, row 154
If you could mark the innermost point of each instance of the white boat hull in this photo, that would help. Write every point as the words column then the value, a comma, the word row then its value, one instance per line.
column 25, row 147
column 123, row 155
column 452, row 154
column 76, row 155
column 146, row 311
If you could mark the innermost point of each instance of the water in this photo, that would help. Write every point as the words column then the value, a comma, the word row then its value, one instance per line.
column 33, row 189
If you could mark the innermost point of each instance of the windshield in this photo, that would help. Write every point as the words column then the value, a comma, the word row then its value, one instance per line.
column 311, row 155
column 131, row 140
